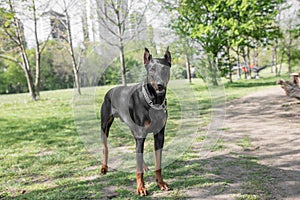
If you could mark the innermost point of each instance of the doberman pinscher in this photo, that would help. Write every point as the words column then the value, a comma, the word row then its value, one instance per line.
column 143, row 108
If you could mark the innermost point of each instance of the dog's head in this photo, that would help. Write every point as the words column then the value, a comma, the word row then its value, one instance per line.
column 158, row 71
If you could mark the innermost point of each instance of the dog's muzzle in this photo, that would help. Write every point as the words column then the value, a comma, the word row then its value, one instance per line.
column 161, row 90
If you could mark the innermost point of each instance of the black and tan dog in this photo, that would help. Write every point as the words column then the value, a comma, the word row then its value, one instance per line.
column 143, row 108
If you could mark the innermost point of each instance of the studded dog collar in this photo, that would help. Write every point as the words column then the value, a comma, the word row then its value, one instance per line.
column 151, row 104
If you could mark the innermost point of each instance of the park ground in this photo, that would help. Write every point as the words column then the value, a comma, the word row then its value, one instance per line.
column 261, row 149
column 255, row 156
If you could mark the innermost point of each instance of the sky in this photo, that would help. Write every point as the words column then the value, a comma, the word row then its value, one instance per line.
column 154, row 16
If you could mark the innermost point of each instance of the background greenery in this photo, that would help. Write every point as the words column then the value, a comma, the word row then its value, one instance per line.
column 218, row 34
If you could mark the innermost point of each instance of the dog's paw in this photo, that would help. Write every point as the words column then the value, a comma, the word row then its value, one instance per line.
column 104, row 169
column 163, row 186
column 142, row 191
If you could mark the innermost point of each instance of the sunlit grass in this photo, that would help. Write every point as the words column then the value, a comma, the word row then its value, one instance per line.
column 43, row 157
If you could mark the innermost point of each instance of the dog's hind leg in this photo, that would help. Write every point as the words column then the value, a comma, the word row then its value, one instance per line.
column 106, row 121
column 158, row 147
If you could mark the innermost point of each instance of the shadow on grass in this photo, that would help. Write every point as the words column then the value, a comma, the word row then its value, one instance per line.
column 250, row 84
column 267, row 81
column 44, row 131
column 232, row 175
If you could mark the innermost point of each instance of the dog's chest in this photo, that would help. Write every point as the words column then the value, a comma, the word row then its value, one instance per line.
column 154, row 121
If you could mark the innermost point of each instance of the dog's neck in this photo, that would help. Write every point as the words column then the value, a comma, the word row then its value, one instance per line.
column 156, row 99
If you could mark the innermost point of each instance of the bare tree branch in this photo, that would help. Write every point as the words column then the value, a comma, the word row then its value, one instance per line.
column 109, row 42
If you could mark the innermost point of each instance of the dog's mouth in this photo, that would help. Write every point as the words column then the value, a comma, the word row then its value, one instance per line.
column 160, row 90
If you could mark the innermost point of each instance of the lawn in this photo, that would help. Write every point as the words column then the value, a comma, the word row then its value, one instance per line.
column 50, row 149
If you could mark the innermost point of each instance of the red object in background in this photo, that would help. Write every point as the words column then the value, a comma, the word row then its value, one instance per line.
column 244, row 69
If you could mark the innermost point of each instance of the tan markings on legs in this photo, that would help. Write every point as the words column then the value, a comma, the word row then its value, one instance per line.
column 105, row 153
column 104, row 168
column 158, row 172
column 140, row 186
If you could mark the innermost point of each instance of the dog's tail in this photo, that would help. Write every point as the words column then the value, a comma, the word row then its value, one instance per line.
column 106, row 114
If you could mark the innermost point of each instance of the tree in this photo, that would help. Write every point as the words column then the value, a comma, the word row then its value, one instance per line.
column 220, row 25
column 121, row 21
column 289, row 23
column 76, row 62
column 12, row 35
column 185, row 47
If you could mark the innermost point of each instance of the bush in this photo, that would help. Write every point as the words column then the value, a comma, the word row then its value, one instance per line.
column 178, row 72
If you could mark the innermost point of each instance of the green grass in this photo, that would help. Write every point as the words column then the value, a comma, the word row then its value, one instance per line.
column 43, row 157
column 245, row 143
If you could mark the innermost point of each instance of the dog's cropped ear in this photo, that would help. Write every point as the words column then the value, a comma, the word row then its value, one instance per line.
column 147, row 57
column 168, row 56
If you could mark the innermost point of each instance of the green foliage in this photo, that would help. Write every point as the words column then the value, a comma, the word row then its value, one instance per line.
column 221, row 25
column 178, row 72
column 112, row 74
column 56, row 72
column 295, row 57
column 16, row 79
column 215, row 24
column 57, row 66
column 135, row 72
column 13, row 79
column 3, row 79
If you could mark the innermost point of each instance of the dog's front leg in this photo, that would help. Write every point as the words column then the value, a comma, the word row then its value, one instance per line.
column 158, row 144
column 140, row 185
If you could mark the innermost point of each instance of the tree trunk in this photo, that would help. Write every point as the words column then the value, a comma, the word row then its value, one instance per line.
column 188, row 68
column 275, row 59
column 30, row 84
column 28, row 74
column 281, row 61
column 289, row 59
column 249, row 63
column 37, row 74
column 229, row 65
column 123, row 67
column 289, row 52
column 37, row 53
column 77, row 80
column 75, row 64
column 212, row 65
column 246, row 62
column 121, row 28
column 238, row 63
column 255, row 59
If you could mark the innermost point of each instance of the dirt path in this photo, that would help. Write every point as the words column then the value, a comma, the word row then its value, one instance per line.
column 267, row 133
column 258, row 156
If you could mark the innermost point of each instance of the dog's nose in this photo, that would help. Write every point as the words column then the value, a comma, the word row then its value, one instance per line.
column 160, row 86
